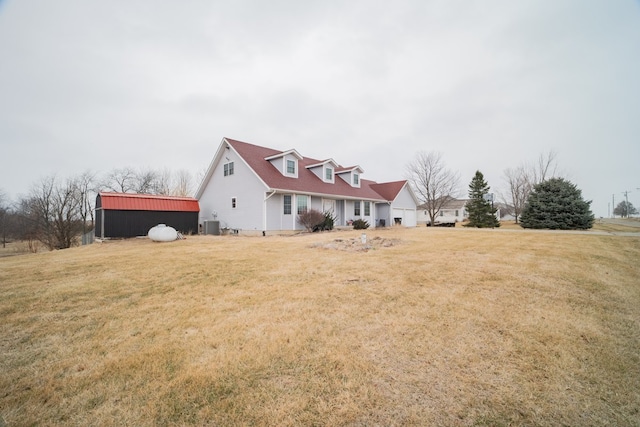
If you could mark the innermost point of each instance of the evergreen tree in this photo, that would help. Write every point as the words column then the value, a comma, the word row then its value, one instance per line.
column 557, row 204
column 480, row 210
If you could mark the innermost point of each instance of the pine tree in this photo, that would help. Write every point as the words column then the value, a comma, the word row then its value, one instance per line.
column 480, row 210
column 557, row 204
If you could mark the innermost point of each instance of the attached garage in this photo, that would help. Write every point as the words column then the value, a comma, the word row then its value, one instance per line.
column 406, row 217
column 121, row 215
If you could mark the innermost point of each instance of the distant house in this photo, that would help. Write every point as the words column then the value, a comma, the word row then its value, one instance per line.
column 121, row 215
column 505, row 212
column 452, row 211
column 249, row 188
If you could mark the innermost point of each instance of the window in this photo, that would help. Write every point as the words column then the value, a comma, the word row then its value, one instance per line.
column 234, row 202
column 356, row 208
column 302, row 204
column 441, row 213
column 356, row 179
column 287, row 204
column 367, row 208
column 328, row 174
column 456, row 212
column 291, row 167
column 228, row 169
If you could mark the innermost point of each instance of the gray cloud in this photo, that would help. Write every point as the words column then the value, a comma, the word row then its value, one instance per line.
column 157, row 84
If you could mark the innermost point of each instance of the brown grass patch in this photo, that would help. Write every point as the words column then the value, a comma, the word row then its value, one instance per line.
column 450, row 327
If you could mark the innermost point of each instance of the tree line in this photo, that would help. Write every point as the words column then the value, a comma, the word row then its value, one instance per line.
column 57, row 211
column 535, row 194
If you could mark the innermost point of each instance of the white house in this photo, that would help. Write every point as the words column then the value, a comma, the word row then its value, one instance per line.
column 250, row 188
column 452, row 211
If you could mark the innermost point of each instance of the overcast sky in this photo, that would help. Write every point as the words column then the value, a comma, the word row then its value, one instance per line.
column 490, row 84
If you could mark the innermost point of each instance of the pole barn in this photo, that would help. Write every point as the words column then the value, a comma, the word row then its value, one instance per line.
column 121, row 215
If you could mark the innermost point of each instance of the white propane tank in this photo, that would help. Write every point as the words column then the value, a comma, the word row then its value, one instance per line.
column 162, row 233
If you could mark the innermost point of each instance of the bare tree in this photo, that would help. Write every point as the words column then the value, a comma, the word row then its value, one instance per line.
column 543, row 168
column 146, row 182
column 432, row 181
column 182, row 184
column 521, row 180
column 163, row 182
column 519, row 188
column 24, row 224
column 149, row 181
column 122, row 180
column 4, row 216
column 52, row 213
column 85, row 185
column 129, row 180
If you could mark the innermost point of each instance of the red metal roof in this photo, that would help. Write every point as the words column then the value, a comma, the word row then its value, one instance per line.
column 147, row 202
column 307, row 181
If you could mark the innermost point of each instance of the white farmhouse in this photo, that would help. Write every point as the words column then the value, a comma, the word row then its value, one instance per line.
column 253, row 189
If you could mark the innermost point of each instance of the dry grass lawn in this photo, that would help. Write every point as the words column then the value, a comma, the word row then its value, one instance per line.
column 444, row 327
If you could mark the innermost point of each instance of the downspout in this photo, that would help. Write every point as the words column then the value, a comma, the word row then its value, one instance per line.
column 264, row 213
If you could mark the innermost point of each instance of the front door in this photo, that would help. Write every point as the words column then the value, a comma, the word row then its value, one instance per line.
column 329, row 205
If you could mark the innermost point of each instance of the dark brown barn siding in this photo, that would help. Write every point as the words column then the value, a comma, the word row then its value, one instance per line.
column 122, row 223
column 118, row 224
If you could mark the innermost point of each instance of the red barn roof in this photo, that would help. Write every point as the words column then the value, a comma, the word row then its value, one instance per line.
column 147, row 202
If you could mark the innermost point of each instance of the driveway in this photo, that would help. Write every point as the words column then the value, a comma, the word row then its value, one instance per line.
column 621, row 221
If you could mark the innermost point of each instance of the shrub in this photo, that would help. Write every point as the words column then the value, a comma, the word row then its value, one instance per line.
column 327, row 224
column 360, row 224
column 311, row 219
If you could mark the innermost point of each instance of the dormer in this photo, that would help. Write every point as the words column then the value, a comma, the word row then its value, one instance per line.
column 286, row 162
column 350, row 175
column 325, row 170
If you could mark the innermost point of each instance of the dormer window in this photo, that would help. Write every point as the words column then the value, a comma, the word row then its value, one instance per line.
column 286, row 162
column 328, row 174
column 350, row 175
column 291, row 167
column 324, row 170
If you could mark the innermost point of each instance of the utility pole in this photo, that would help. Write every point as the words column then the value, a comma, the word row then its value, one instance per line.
column 626, row 201
column 613, row 204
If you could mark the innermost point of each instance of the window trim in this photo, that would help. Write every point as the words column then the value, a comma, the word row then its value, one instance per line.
column 287, row 162
column 328, row 174
column 228, row 168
